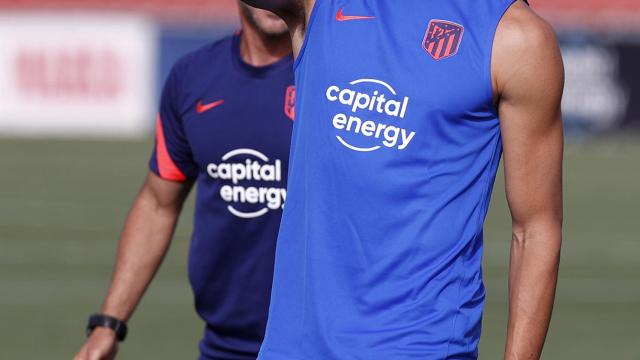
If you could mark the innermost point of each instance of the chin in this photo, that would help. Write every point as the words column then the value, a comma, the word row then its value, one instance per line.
column 276, row 33
column 273, row 30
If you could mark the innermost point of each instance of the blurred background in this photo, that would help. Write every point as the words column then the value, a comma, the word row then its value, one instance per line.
column 79, row 83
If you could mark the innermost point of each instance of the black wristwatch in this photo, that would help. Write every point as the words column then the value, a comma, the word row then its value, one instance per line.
column 101, row 320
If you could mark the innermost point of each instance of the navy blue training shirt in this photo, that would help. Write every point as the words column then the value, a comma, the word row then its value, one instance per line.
column 227, row 125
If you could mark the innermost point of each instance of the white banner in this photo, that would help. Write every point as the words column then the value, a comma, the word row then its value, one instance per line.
column 76, row 74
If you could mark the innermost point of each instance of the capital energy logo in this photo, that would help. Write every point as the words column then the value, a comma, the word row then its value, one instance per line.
column 371, row 117
column 237, row 167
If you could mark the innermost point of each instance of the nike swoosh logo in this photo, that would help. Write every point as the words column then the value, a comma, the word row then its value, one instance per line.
column 200, row 108
column 340, row 16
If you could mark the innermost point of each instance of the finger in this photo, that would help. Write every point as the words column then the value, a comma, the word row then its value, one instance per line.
column 81, row 355
column 95, row 355
column 113, row 352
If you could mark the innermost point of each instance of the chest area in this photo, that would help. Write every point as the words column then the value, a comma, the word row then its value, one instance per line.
column 248, row 122
column 403, row 77
column 435, row 53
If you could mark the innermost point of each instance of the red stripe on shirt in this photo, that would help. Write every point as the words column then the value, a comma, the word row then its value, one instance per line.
column 167, row 168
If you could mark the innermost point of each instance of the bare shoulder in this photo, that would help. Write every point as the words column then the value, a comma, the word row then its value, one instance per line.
column 521, row 24
column 525, row 50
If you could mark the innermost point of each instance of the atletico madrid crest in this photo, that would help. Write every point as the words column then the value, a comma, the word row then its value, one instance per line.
column 290, row 102
column 442, row 39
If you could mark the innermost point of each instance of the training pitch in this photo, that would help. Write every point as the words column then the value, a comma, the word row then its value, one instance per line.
column 62, row 205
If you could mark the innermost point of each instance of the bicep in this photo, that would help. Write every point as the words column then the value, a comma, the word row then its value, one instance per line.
column 172, row 157
column 164, row 193
column 530, row 80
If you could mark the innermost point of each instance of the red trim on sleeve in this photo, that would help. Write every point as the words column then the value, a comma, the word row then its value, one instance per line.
column 167, row 168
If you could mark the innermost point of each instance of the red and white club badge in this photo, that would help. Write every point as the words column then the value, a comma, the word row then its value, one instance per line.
column 290, row 102
column 442, row 39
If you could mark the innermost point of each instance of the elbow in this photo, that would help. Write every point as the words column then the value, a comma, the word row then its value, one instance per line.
column 541, row 234
column 536, row 225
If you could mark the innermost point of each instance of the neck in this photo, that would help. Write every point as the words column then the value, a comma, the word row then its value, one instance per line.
column 256, row 49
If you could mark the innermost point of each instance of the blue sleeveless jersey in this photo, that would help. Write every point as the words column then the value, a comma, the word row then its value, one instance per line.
column 394, row 153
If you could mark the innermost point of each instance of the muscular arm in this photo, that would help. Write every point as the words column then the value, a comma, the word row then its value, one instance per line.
column 144, row 242
column 528, row 77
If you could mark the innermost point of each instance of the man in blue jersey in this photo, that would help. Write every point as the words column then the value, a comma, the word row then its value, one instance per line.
column 224, row 123
column 406, row 108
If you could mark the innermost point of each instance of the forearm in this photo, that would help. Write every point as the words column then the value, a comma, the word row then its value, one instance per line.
column 533, row 274
column 144, row 242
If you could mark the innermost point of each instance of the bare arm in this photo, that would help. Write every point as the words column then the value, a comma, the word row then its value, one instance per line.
column 529, row 78
column 144, row 242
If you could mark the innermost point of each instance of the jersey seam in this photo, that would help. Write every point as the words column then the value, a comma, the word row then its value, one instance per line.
column 485, row 180
column 483, row 203
column 484, row 200
column 455, row 319
column 178, row 113
column 489, row 61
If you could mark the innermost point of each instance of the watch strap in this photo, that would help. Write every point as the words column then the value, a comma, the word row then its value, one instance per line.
column 102, row 320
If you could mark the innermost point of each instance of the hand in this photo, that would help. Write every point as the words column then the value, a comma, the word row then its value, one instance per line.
column 101, row 345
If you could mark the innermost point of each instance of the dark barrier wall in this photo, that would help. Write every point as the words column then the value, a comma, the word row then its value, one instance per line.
column 602, row 91
column 630, row 77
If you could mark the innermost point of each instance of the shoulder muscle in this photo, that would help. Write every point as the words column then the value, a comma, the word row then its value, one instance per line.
column 526, row 60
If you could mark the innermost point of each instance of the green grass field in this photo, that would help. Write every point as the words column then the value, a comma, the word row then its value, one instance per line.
column 62, row 204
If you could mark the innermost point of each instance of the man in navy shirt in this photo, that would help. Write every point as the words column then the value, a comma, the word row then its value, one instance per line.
column 224, row 123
